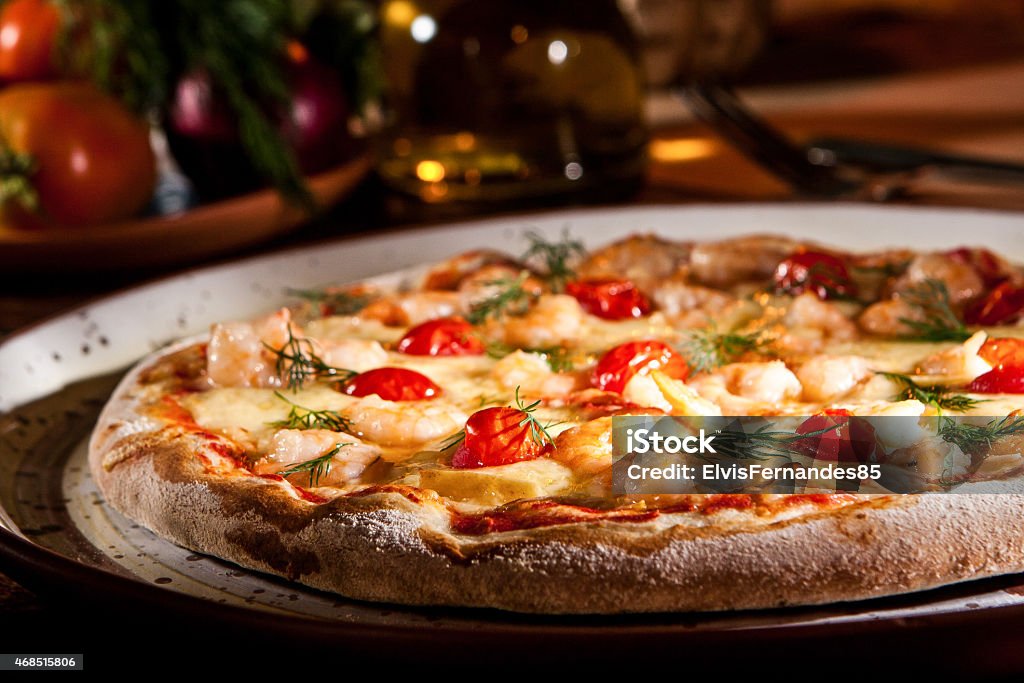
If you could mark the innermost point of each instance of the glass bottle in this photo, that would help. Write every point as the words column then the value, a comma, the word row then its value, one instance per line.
column 498, row 100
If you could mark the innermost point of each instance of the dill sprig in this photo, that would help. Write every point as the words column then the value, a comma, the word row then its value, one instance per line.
column 558, row 358
column 318, row 467
column 333, row 302
column 538, row 432
column 301, row 417
column 943, row 398
column 936, row 320
column 297, row 362
column 556, row 257
column 511, row 298
column 453, row 440
column 762, row 443
column 972, row 437
column 708, row 349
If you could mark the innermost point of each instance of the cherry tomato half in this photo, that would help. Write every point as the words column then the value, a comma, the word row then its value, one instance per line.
column 28, row 35
column 851, row 439
column 824, row 274
column 93, row 161
column 392, row 384
column 442, row 337
column 1006, row 355
column 622, row 362
column 987, row 264
column 498, row 436
column 1003, row 304
column 610, row 299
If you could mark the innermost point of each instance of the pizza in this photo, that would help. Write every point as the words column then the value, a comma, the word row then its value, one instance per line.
column 445, row 435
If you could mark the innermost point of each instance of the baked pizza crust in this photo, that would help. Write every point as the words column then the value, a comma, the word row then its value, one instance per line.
column 384, row 547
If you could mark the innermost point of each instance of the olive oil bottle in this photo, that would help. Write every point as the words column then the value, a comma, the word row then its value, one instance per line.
column 500, row 100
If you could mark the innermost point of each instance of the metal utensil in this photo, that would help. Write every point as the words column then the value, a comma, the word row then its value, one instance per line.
column 835, row 167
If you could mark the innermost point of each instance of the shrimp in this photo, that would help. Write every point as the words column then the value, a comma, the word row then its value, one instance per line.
column 642, row 390
column 290, row 447
column 827, row 378
column 958, row 365
column 810, row 322
column 406, row 423
column 531, row 373
column 645, row 260
column 451, row 273
column 353, row 354
column 555, row 320
column 749, row 388
column 962, row 281
column 743, row 259
column 237, row 355
column 413, row 308
column 487, row 282
column 933, row 458
column 886, row 318
column 586, row 449
column 681, row 300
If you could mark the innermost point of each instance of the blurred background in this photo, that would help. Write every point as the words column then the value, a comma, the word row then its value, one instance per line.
column 137, row 138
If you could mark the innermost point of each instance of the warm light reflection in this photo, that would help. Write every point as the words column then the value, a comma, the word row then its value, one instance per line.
column 423, row 28
column 681, row 149
column 430, row 171
column 400, row 13
column 557, row 52
column 9, row 37
column 519, row 34
column 465, row 141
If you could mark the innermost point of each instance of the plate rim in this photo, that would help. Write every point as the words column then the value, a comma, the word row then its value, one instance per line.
column 44, row 566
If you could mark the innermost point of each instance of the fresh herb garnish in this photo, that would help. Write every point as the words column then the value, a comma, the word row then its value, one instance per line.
column 298, row 362
column 558, row 358
column 556, row 257
column 485, row 400
column 941, row 397
column 538, row 432
column 318, row 467
column 972, row 437
column 454, row 440
column 330, row 302
column 891, row 269
column 511, row 298
column 300, row 417
column 761, row 444
column 707, row 349
column 935, row 319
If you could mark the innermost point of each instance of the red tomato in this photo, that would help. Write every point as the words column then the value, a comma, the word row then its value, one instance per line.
column 619, row 364
column 1006, row 355
column 610, row 299
column 498, row 436
column 1004, row 304
column 93, row 160
column 824, row 274
column 852, row 440
column 28, row 34
column 987, row 264
column 392, row 384
column 442, row 337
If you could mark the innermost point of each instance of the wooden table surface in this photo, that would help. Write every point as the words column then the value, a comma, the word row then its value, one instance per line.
column 977, row 109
